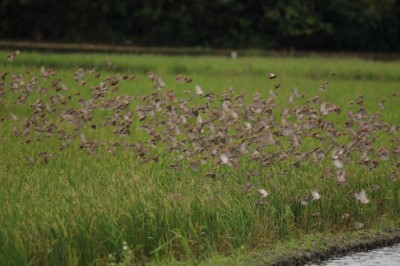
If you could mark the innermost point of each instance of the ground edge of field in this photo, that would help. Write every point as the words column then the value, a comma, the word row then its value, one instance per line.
column 312, row 248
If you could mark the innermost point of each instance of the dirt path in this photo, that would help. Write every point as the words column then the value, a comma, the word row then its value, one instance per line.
column 192, row 51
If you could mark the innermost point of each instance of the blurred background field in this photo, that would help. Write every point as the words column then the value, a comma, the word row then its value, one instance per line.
column 342, row 25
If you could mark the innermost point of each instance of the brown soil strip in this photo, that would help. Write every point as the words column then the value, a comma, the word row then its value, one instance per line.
column 105, row 48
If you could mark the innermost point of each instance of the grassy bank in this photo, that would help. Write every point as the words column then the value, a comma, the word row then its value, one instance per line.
column 311, row 248
column 97, row 173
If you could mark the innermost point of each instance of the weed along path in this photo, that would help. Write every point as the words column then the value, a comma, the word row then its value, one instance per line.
column 124, row 159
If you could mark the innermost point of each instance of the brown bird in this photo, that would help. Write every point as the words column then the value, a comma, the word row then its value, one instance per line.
column 272, row 75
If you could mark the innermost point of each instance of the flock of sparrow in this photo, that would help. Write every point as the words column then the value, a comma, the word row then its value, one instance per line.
column 201, row 126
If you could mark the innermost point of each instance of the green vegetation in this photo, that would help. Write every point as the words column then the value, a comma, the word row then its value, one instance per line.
column 115, row 198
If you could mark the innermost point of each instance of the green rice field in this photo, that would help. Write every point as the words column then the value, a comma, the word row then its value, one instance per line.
column 121, row 159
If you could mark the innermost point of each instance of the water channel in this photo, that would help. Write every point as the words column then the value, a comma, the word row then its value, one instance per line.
column 387, row 256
